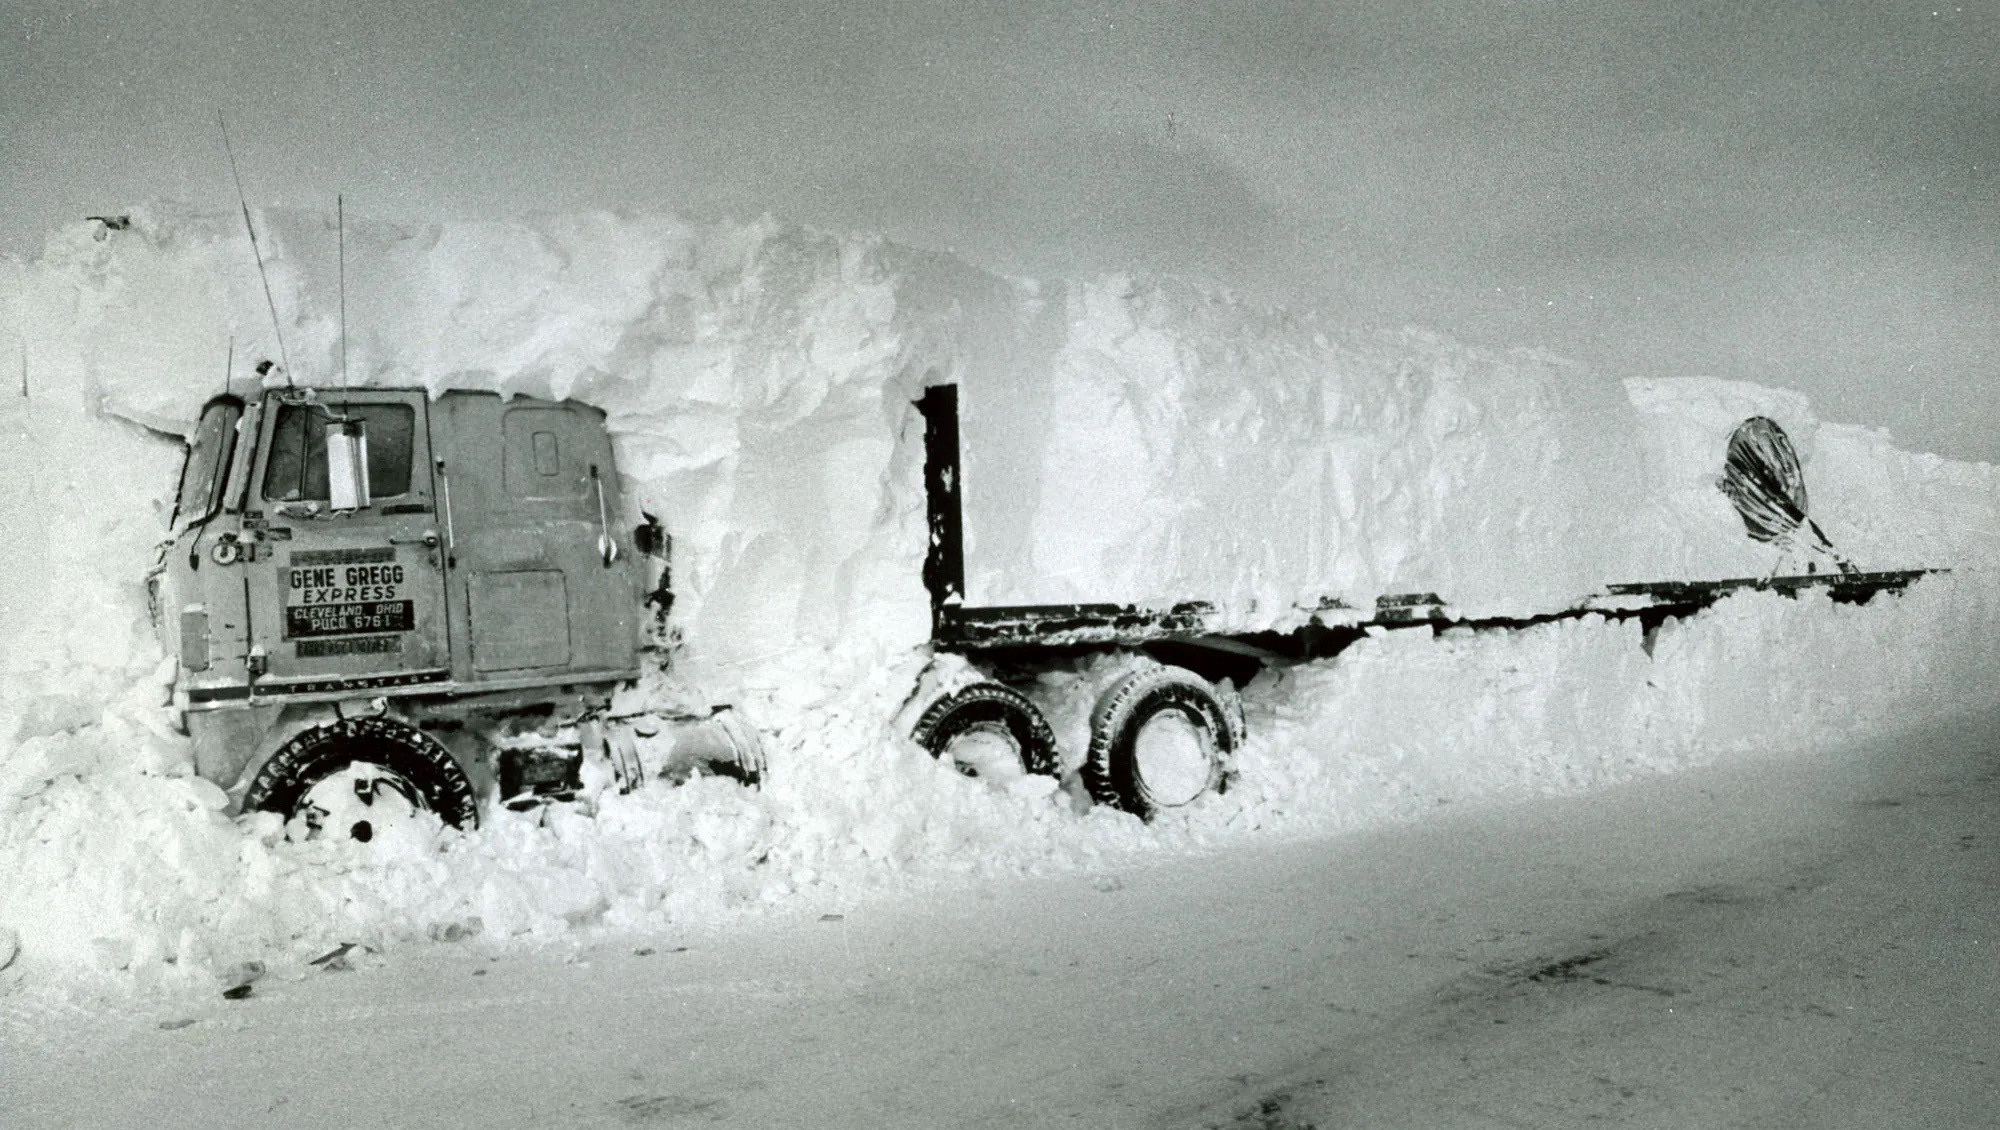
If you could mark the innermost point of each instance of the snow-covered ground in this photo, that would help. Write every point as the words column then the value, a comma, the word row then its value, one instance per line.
column 758, row 381
column 1796, row 937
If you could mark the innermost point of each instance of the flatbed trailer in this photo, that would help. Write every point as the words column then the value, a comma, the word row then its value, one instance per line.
column 1331, row 625
column 1191, row 646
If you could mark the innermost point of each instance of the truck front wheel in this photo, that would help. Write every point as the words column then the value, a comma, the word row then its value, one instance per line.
column 352, row 776
column 1159, row 738
column 988, row 729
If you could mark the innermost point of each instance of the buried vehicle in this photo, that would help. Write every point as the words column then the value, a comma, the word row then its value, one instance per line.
column 383, row 603
column 1166, row 720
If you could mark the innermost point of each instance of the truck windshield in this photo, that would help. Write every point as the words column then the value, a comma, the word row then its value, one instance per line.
column 296, row 471
column 207, row 466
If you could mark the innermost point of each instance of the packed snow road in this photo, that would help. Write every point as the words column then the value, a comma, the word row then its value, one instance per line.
column 1784, row 940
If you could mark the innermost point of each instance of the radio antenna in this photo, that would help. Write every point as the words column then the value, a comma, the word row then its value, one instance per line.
column 269, row 302
column 229, row 364
column 340, row 222
column 24, row 370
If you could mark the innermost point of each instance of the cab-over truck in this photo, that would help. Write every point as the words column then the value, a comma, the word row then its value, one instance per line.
column 383, row 602
column 369, row 590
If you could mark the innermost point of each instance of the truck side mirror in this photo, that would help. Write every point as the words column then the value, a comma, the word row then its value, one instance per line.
column 347, row 464
column 650, row 538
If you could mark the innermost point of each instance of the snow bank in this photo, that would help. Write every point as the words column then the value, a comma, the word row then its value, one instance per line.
column 123, row 870
column 1176, row 444
column 1883, row 508
column 757, row 379
column 1124, row 439
column 1402, row 723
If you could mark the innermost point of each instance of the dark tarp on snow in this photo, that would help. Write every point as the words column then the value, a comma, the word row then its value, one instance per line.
column 1761, row 476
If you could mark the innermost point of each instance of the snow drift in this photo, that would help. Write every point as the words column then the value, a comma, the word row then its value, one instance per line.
column 1125, row 440
column 1175, row 444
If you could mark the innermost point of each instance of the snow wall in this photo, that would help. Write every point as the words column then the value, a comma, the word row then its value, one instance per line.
column 1173, row 444
column 1125, row 440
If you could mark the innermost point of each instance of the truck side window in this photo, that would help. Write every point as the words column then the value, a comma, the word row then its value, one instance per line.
column 296, row 471
column 207, row 466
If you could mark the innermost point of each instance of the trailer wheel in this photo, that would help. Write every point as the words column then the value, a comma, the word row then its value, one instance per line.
column 348, row 777
column 1159, row 739
column 986, row 727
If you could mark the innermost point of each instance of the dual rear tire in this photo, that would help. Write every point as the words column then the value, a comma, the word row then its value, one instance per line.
column 1161, row 737
column 988, row 730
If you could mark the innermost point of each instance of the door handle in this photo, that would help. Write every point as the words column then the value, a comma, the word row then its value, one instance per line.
column 429, row 538
column 606, row 547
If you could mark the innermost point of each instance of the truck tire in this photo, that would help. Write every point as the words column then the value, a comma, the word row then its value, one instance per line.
column 992, row 711
column 1159, row 738
column 412, row 763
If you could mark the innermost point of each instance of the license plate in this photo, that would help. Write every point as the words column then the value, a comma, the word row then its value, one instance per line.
column 304, row 620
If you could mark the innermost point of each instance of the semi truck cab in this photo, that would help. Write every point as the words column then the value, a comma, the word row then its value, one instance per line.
column 377, row 544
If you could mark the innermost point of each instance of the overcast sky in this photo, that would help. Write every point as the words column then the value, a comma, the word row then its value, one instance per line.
column 1801, row 194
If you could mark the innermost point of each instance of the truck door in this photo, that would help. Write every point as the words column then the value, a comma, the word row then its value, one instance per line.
column 198, row 600
column 535, row 502
column 557, row 477
column 349, row 599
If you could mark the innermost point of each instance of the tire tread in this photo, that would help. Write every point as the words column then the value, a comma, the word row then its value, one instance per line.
column 316, row 753
column 944, row 720
column 1110, row 771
